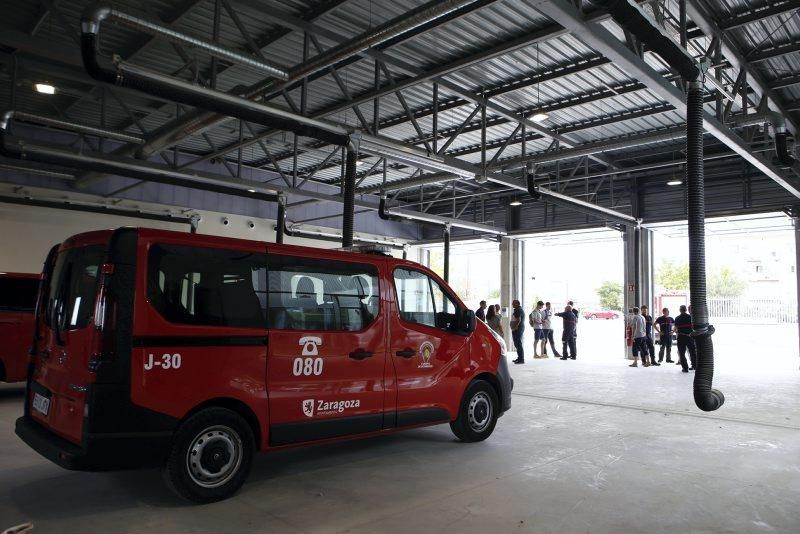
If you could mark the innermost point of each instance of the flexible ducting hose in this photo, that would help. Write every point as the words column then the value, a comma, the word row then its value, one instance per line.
column 348, row 210
column 628, row 15
column 782, row 148
column 281, row 223
column 533, row 191
column 184, row 95
column 705, row 396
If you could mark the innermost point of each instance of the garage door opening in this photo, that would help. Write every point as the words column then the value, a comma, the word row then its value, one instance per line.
column 752, row 288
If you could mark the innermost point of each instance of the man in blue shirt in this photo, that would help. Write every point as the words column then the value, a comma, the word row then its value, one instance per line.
column 683, row 326
column 570, row 321
column 664, row 326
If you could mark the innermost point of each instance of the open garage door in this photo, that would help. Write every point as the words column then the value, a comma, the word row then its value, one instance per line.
column 752, row 287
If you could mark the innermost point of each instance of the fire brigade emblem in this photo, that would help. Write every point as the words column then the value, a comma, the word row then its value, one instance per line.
column 425, row 353
column 308, row 407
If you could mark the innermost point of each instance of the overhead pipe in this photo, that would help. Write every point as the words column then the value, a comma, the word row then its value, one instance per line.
column 124, row 74
column 446, row 254
column 280, row 224
column 294, row 230
column 396, row 214
column 537, row 193
column 628, row 15
column 349, row 193
column 14, row 115
column 95, row 15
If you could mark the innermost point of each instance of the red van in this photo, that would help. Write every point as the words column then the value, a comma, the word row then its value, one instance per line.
column 17, row 302
column 192, row 352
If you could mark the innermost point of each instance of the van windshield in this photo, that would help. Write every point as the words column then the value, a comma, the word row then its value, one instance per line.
column 72, row 289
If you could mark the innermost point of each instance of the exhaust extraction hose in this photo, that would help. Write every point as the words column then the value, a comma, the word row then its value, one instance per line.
column 705, row 396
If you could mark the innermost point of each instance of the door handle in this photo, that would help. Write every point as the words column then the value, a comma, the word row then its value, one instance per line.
column 361, row 354
column 406, row 353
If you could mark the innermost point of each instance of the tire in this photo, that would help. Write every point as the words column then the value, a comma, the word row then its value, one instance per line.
column 473, row 422
column 593, row 316
column 224, row 442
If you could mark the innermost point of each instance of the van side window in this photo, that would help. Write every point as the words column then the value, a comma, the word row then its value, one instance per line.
column 18, row 294
column 312, row 294
column 207, row 286
column 421, row 300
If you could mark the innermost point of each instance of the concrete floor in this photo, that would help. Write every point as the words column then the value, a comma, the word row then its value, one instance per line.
column 587, row 447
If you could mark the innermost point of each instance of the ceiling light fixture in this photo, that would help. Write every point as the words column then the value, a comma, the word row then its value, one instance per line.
column 45, row 88
column 515, row 202
column 540, row 117
column 359, row 163
column 251, row 190
column 675, row 181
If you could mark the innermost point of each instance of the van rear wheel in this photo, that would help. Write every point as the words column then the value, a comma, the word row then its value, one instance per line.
column 210, row 456
column 478, row 413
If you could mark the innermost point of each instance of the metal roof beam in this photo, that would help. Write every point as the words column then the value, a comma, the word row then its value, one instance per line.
column 600, row 39
column 760, row 13
column 729, row 50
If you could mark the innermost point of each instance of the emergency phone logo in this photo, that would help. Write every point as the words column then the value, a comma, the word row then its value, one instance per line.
column 308, row 407
column 425, row 353
column 309, row 344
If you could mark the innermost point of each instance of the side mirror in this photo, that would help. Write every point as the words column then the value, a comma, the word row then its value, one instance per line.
column 469, row 320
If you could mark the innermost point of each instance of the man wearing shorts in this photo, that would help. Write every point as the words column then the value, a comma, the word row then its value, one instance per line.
column 547, row 328
column 536, row 319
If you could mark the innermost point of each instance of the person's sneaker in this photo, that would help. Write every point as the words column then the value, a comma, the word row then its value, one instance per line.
column 557, row 356
column 572, row 357
column 684, row 370
column 563, row 358
column 656, row 364
column 661, row 360
column 634, row 364
column 691, row 368
column 645, row 364
column 518, row 361
column 669, row 361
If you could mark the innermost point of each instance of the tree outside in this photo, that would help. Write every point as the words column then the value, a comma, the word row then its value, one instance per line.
column 725, row 283
column 610, row 295
column 673, row 276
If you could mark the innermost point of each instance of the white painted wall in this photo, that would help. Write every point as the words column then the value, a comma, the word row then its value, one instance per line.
column 27, row 233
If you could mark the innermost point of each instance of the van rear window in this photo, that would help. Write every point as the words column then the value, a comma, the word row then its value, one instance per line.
column 18, row 294
column 73, row 287
column 206, row 286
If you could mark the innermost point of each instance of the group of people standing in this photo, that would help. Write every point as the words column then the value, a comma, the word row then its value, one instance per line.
column 540, row 319
column 641, row 327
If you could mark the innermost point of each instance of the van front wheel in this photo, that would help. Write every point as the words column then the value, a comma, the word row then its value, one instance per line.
column 477, row 415
column 210, row 456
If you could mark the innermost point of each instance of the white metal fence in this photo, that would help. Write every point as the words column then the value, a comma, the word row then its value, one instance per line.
column 764, row 311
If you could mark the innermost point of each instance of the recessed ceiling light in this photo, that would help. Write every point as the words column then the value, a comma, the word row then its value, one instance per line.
column 251, row 190
column 515, row 202
column 359, row 163
column 540, row 117
column 45, row 88
column 675, row 182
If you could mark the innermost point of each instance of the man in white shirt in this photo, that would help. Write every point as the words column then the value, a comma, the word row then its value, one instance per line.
column 547, row 328
column 639, row 334
column 536, row 319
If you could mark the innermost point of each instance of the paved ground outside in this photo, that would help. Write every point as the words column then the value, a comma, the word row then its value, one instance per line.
column 754, row 348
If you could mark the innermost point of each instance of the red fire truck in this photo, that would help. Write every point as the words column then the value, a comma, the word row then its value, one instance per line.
column 192, row 352
column 17, row 302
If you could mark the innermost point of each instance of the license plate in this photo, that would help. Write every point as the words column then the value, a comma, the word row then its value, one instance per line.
column 41, row 403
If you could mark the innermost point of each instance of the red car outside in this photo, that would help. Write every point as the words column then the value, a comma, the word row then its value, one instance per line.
column 17, row 302
column 601, row 315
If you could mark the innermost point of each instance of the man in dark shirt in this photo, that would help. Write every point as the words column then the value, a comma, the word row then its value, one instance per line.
column 480, row 313
column 648, row 328
column 683, row 326
column 517, row 330
column 568, row 336
column 664, row 328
